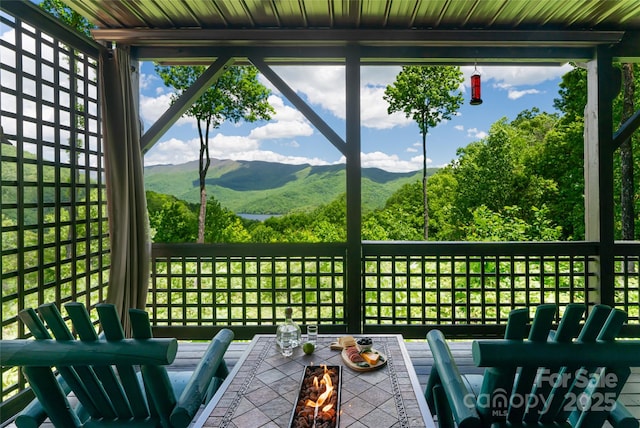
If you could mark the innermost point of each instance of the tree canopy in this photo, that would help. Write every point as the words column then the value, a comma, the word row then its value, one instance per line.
column 236, row 95
column 428, row 95
column 523, row 182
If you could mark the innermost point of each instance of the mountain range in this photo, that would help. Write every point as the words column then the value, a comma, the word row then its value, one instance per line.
column 257, row 187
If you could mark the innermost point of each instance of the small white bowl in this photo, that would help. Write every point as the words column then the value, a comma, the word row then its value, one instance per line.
column 364, row 347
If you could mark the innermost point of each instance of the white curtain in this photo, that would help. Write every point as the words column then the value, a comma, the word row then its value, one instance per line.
column 127, row 205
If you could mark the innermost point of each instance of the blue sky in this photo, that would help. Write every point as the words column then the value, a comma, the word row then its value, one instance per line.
column 389, row 142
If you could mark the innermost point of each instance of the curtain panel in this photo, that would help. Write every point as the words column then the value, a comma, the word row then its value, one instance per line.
column 126, row 200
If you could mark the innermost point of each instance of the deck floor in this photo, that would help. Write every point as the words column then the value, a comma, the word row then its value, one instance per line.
column 189, row 353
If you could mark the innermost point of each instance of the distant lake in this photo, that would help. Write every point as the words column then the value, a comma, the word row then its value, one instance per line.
column 259, row 217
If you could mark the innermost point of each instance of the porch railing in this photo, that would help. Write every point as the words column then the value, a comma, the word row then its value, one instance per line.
column 465, row 289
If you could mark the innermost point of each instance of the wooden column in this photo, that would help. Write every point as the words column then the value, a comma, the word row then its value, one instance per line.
column 354, row 192
column 598, row 171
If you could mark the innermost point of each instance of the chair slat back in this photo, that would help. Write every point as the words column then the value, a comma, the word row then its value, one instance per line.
column 556, row 401
column 555, row 389
column 540, row 328
column 103, row 394
column 69, row 374
column 499, row 380
column 568, row 329
column 160, row 393
column 110, row 382
column 95, row 392
column 112, row 329
column 605, row 386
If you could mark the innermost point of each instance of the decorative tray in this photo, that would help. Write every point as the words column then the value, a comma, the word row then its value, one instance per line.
column 364, row 367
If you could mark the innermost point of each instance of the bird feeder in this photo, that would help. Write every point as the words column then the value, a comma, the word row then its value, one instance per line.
column 475, row 88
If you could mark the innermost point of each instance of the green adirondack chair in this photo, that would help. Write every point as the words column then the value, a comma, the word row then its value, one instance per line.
column 569, row 377
column 118, row 382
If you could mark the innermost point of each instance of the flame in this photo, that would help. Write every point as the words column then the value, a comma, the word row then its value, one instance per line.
column 326, row 381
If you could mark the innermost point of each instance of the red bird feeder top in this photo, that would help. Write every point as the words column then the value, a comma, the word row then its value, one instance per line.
column 475, row 88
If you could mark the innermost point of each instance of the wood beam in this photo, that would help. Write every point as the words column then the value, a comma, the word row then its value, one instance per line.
column 183, row 103
column 38, row 18
column 354, row 193
column 370, row 55
column 349, row 37
column 598, row 164
column 628, row 50
column 299, row 103
column 626, row 130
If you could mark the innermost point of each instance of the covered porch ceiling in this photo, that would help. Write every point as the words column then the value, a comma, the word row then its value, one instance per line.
column 381, row 31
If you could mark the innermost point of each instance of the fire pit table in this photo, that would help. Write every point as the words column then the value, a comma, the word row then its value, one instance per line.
column 263, row 388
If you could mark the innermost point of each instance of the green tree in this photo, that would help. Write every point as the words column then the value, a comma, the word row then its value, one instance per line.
column 73, row 19
column 573, row 95
column 174, row 222
column 442, row 185
column 566, row 204
column 626, row 155
column 572, row 101
column 501, row 171
column 236, row 95
column 67, row 15
column 222, row 225
column 156, row 201
column 330, row 221
column 428, row 95
column 401, row 219
column 509, row 225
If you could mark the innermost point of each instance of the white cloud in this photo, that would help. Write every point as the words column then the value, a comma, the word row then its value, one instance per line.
column 514, row 95
column 379, row 75
column 373, row 110
column 284, row 112
column 286, row 129
column 475, row 133
column 512, row 78
column 150, row 81
column 151, row 108
column 504, row 86
column 387, row 162
column 324, row 86
column 517, row 75
column 287, row 122
column 173, row 151
column 459, row 128
column 269, row 156
column 226, row 145
column 176, row 151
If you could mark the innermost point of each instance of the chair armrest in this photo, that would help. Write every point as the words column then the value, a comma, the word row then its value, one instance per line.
column 34, row 414
column 462, row 402
column 196, row 390
column 620, row 417
column 64, row 353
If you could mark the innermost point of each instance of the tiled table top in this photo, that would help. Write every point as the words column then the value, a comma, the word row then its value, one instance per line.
column 263, row 385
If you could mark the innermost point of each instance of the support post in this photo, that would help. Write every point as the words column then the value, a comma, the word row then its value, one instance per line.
column 598, row 179
column 185, row 101
column 354, row 192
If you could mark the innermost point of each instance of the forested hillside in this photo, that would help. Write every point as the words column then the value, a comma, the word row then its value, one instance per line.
column 29, row 174
column 523, row 182
column 272, row 188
